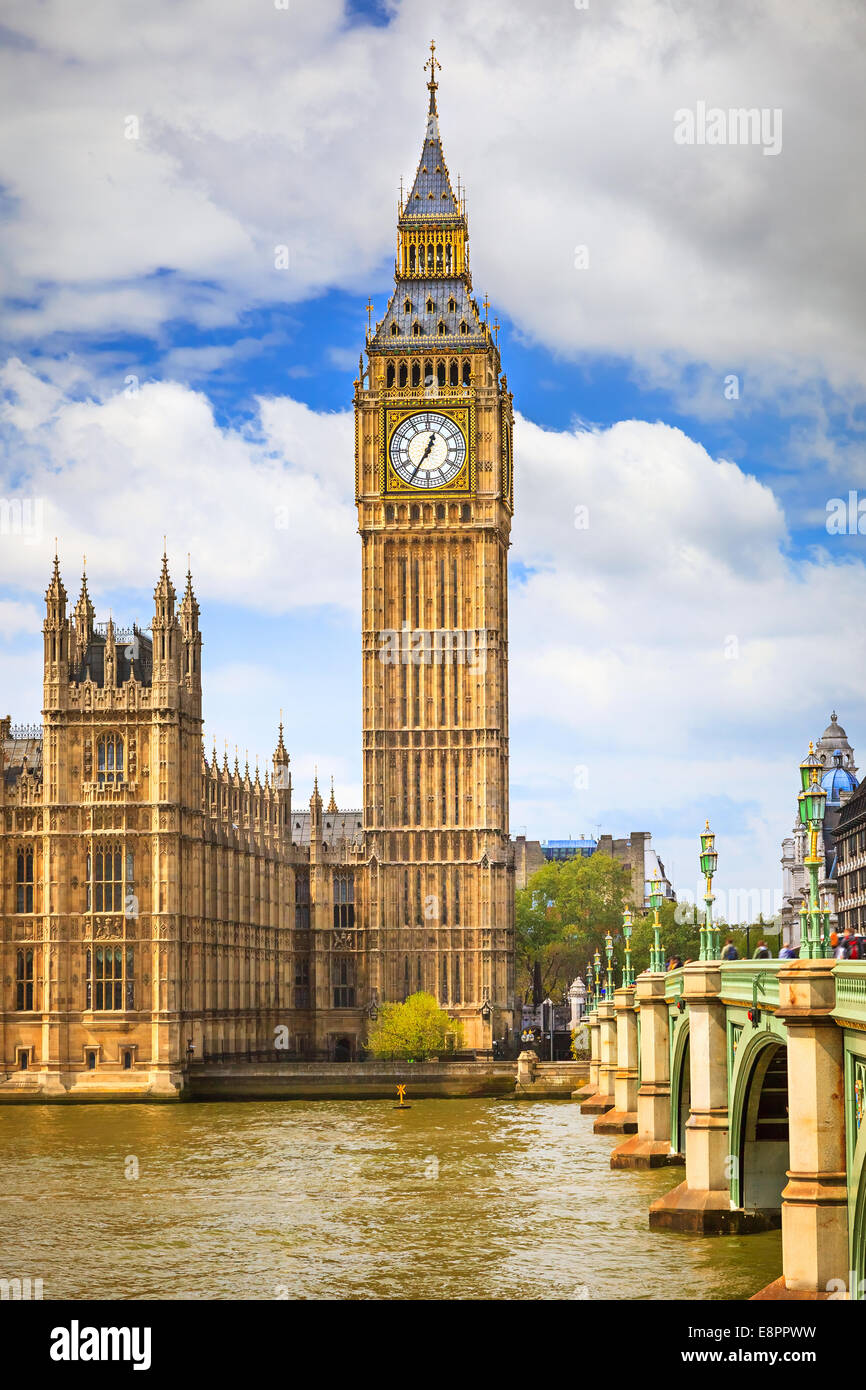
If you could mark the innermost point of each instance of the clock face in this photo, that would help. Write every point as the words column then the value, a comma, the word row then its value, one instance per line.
column 428, row 449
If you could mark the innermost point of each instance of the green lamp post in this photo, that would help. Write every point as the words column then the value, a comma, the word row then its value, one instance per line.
column 609, row 981
column 657, row 960
column 597, row 978
column 812, row 802
column 709, row 863
column 590, row 986
column 628, row 968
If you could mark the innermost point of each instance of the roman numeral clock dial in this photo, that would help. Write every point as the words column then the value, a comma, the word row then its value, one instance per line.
column 427, row 450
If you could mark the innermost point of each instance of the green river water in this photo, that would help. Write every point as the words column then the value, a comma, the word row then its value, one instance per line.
column 451, row 1199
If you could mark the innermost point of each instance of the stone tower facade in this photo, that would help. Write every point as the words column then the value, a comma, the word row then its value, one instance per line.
column 157, row 905
column 434, row 432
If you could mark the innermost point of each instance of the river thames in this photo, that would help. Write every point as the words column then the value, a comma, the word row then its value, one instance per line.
column 452, row 1199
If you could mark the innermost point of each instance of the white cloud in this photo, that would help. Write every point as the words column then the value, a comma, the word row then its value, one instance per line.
column 672, row 647
column 267, row 515
column 18, row 619
column 263, row 128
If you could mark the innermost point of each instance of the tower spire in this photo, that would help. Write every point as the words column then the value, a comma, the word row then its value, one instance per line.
column 432, row 63
column 433, row 287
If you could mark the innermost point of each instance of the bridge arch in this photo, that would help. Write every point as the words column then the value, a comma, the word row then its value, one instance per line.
column 858, row 1239
column 857, row 1189
column 681, row 1087
column 758, row 1119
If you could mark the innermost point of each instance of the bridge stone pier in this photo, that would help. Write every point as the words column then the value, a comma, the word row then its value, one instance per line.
column 622, row 1119
column 651, row 1145
column 603, row 1099
column 591, row 1088
column 754, row 1073
column 702, row 1203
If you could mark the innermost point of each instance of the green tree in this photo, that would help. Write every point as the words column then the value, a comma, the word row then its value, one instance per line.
column 417, row 1028
column 562, row 917
column 678, row 937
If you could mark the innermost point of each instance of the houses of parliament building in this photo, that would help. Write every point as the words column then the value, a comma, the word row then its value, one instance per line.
column 159, row 905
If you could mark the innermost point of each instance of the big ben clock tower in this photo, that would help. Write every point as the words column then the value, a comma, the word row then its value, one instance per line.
column 433, row 456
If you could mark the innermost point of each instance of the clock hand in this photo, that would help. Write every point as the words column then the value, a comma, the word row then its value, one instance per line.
column 430, row 443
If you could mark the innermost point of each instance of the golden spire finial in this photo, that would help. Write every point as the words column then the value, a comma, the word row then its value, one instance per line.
column 432, row 63
column 708, row 825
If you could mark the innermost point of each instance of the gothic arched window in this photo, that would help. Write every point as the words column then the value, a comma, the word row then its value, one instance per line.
column 111, row 978
column 389, row 375
column 403, row 373
column 454, row 373
column 302, row 899
column 24, row 881
column 343, row 981
column 416, row 373
column 467, row 373
column 24, row 980
column 440, row 373
column 109, row 758
column 344, row 902
column 444, row 995
column 110, row 877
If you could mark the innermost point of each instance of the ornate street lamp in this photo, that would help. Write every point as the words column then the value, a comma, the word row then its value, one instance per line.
column 709, row 863
column 609, row 981
column 810, row 768
column 627, row 969
column 597, row 959
column 812, row 802
column 590, row 985
column 657, row 961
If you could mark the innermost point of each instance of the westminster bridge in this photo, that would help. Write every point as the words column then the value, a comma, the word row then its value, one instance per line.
column 751, row 1074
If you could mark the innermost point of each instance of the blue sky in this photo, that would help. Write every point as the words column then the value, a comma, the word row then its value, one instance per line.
column 681, row 650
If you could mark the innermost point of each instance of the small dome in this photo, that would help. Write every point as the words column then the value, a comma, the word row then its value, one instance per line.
column 836, row 781
column 834, row 733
